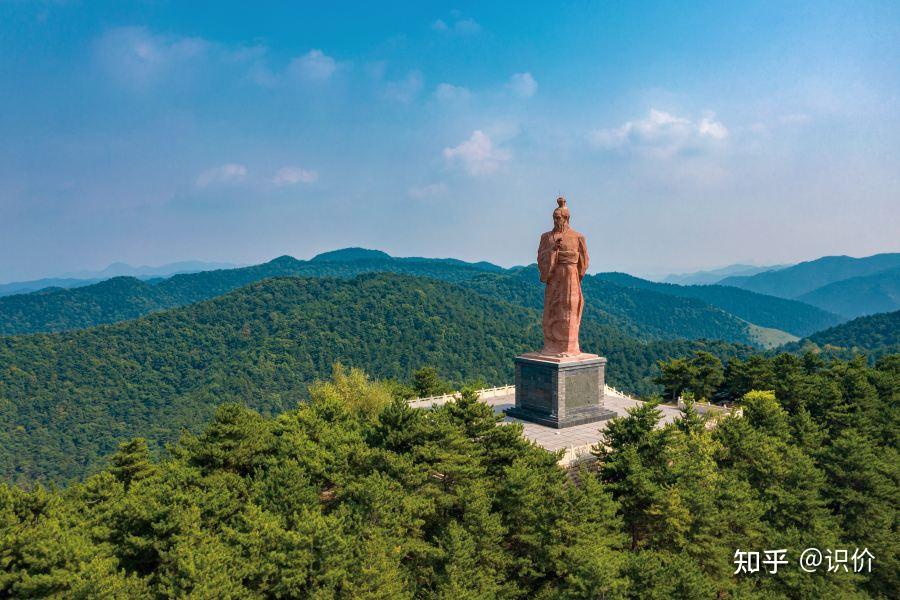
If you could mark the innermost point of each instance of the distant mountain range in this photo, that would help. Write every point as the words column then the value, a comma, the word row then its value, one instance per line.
column 864, row 295
column 791, row 316
column 717, row 275
column 640, row 308
column 849, row 286
column 83, row 278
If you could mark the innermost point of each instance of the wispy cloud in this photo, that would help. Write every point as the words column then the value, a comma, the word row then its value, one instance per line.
column 478, row 155
column 662, row 134
column 523, row 84
column 293, row 175
column 447, row 92
column 429, row 190
column 315, row 65
column 221, row 175
column 138, row 58
column 404, row 90
column 457, row 24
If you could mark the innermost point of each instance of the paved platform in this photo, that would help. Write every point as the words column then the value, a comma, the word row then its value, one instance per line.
column 577, row 440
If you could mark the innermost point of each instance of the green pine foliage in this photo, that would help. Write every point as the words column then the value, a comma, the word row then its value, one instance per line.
column 325, row 501
column 354, row 494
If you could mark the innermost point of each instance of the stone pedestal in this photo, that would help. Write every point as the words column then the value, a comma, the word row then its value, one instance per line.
column 560, row 391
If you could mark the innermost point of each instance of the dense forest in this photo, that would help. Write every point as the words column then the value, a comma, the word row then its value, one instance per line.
column 875, row 336
column 355, row 495
column 67, row 399
column 640, row 308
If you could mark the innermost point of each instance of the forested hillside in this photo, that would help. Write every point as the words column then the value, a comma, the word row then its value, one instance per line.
column 874, row 336
column 124, row 298
column 66, row 399
column 354, row 496
column 791, row 316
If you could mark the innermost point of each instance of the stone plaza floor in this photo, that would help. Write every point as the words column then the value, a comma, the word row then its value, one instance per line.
column 575, row 441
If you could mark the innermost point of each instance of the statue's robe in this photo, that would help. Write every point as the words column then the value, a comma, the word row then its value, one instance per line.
column 562, row 270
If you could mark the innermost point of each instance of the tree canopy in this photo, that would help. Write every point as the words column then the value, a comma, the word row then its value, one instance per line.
column 354, row 494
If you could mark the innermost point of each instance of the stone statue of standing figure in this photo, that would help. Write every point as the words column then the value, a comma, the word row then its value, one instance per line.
column 561, row 386
column 562, row 261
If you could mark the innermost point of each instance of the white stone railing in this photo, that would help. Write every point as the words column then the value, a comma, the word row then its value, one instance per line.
column 504, row 390
column 707, row 408
column 483, row 394
column 611, row 390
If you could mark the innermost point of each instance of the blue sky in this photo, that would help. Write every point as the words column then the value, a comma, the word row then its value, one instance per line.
column 685, row 135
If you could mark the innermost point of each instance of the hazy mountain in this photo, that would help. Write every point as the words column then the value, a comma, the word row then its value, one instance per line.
column 120, row 269
column 26, row 287
column 716, row 275
column 70, row 398
column 83, row 278
column 351, row 254
column 793, row 282
column 792, row 316
column 365, row 254
column 858, row 296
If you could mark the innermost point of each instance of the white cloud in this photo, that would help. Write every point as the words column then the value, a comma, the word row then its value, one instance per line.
column 713, row 129
column 138, row 58
column 447, row 92
column 523, row 84
column 404, row 90
column 223, row 174
column 457, row 25
column 662, row 134
column 428, row 191
column 294, row 175
column 478, row 154
column 315, row 65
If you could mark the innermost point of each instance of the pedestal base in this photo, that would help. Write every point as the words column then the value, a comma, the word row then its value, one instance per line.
column 560, row 391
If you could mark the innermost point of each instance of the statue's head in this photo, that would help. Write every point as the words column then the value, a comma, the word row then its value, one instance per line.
column 561, row 215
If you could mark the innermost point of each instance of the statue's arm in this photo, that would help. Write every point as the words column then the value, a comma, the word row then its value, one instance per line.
column 546, row 258
column 583, row 258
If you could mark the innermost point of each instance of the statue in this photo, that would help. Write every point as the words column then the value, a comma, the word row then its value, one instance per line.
column 562, row 261
column 561, row 386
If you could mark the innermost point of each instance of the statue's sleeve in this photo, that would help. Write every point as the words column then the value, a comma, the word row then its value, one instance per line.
column 546, row 257
column 583, row 258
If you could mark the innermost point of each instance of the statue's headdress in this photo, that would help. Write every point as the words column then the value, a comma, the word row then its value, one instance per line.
column 562, row 208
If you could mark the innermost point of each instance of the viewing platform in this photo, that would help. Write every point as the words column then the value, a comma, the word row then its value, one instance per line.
column 576, row 441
